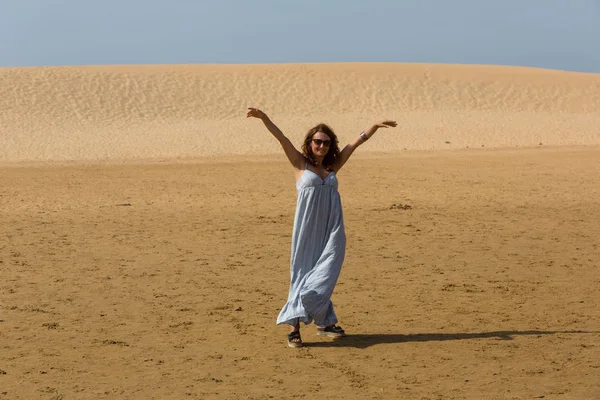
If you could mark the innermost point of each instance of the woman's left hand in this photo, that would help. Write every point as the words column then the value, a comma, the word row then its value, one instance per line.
column 386, row 124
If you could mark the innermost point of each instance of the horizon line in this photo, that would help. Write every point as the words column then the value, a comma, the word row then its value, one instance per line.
column 303, row 63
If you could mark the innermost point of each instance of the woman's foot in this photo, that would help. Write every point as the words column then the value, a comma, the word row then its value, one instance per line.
column 331, row 331
column 294, row 339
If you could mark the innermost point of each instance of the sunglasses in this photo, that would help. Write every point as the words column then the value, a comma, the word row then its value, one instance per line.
column 320, row 142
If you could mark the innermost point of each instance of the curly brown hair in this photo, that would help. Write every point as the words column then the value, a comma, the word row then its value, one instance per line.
column 332, row 153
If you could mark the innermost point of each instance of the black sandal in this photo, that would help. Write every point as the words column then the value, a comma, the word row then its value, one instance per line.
column 331, row 331
column 294, row 339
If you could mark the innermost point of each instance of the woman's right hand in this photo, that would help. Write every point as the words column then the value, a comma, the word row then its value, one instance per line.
column 256, row 113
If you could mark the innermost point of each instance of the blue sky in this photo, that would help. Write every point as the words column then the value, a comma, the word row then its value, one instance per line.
column 556, row 34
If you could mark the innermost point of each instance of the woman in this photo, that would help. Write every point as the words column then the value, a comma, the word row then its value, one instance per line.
column 318, row 240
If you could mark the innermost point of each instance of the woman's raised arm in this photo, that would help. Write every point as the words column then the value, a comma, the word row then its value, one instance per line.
column 296, row 158
column 363, row 137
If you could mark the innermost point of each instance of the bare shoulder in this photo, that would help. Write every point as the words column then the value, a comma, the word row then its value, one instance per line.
column 295, row 157
column 302, row 166
column 344, row 156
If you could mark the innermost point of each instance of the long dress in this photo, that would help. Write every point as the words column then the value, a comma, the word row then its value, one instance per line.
column 318, row 250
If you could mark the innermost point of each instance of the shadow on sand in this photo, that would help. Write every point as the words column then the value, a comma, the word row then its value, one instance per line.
column 362, row 341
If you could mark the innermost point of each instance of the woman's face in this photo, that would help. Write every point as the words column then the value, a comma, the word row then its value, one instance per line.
column 320, row 144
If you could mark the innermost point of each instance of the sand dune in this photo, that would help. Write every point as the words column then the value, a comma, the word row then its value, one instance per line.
column 163, row 111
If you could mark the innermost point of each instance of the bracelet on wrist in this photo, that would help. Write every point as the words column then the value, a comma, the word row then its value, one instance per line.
column 364, row 136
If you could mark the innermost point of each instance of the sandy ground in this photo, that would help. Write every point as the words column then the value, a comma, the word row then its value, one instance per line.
column 164, row 280
column 146, row 229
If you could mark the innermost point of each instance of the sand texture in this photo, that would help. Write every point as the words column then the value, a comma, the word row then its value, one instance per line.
column 149, row 112
column 145, row 232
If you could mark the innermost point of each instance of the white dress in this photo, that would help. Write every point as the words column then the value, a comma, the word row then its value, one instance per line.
column 318, row 249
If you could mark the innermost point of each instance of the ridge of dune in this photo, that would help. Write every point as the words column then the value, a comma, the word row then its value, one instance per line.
column 176, row 111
